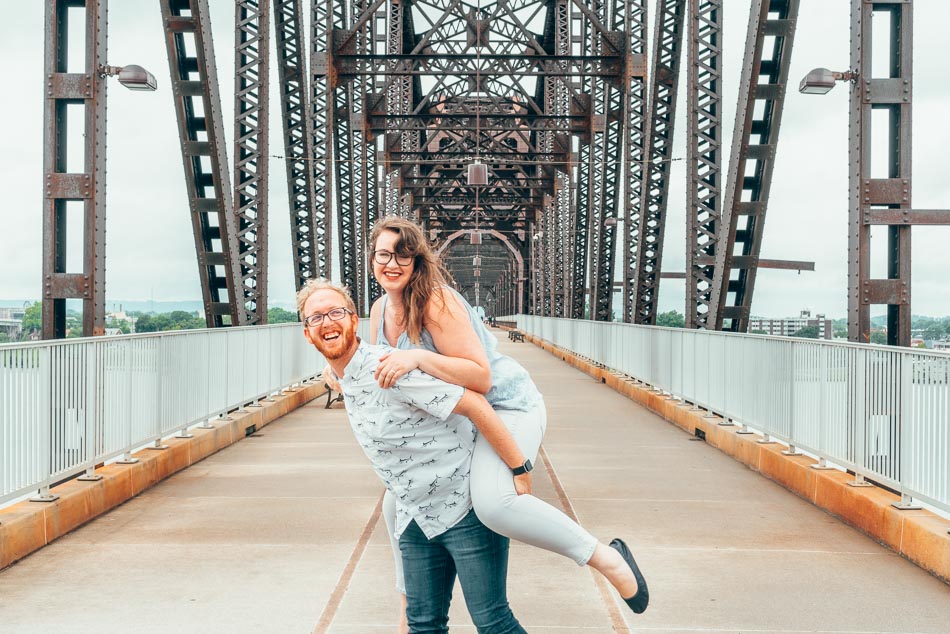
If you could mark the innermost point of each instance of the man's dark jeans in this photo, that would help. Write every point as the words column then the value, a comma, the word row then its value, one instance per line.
column 478, row 555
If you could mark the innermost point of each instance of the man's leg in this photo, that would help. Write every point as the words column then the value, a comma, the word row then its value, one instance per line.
column 430, row 576
column 481, row 558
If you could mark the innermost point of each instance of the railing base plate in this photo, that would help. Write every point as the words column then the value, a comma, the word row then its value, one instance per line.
column 95, row 477
column 49, row 497
column 906, row 507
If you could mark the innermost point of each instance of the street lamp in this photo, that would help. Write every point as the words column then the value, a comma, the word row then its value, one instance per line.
column 821, row 80
column 133, row 77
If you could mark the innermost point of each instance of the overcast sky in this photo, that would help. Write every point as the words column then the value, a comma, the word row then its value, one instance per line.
column 150, row 248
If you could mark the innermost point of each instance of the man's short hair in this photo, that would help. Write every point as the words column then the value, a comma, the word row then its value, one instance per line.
column 313, row 285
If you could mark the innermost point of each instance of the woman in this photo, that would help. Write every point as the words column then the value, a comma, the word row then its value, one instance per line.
column 435, row 330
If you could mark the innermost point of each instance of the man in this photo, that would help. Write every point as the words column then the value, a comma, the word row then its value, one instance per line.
column 419, row 437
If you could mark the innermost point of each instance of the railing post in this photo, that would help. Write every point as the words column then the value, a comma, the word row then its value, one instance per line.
column 91, row 414
column 127, row 456
column 44, row 446
column 822, row 464
column 160, row 389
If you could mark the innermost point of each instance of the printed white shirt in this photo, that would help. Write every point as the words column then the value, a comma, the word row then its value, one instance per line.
column 419, row 449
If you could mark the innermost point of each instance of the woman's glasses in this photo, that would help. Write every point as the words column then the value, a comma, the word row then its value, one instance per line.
column 335, row 315
column 383, row 257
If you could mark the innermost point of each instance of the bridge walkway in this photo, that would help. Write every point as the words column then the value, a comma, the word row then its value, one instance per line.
column 257, row 537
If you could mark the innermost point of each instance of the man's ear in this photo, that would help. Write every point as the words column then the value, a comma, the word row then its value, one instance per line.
column 306, row 334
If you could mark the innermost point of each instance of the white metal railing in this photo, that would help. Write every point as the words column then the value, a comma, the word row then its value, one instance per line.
column 68, row 405
column 881, row 412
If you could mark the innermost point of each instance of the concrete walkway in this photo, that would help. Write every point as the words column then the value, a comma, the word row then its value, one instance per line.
column 257, row 537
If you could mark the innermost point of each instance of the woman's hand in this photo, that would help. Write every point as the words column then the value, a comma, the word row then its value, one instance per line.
column 330, row 379
column 394, row 364
column 523, row 484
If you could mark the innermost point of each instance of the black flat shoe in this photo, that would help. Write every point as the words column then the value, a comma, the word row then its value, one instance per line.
column 638, row 602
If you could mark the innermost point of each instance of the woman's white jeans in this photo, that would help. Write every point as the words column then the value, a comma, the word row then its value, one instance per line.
column 521, row 517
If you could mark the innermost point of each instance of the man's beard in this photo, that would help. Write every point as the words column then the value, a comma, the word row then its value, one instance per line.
column 341, row 346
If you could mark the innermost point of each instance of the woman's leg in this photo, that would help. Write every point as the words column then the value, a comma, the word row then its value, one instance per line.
column 523, row 517
column 389, row 516
column 530, row 520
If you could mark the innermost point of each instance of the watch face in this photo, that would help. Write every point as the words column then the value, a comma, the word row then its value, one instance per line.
column 528, row 466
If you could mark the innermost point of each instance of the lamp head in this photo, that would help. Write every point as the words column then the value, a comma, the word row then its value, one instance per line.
column 477, row 174
column 135, row 77
column 818, row 82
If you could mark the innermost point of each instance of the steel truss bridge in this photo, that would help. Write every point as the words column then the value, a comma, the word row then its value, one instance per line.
column 569, row 104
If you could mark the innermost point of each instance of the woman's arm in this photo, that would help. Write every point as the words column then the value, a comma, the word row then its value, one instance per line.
column 474, row 407
column 461, row 358
column 375, row 313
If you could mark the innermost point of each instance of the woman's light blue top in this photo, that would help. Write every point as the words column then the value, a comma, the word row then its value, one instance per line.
column 511, row 385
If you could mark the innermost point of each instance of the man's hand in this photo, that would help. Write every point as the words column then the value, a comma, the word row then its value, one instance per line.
column 330, row 379
column 523, row 484
column 393, row 365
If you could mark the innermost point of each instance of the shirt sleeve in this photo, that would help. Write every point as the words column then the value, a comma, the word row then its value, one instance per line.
column 425, row 392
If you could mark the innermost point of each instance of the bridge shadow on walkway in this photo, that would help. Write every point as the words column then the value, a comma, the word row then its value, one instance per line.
column 256, row 539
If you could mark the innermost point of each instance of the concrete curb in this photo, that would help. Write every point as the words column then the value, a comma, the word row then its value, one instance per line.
column 28, row 526
column 920, row 536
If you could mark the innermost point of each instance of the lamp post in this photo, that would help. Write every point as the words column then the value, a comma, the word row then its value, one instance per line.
column 878, row 199
column 88, row 187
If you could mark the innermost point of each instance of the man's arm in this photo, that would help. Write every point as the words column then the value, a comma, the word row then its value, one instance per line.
column 473, row 406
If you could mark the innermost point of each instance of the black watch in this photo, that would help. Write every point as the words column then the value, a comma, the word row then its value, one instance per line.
column 523, row 469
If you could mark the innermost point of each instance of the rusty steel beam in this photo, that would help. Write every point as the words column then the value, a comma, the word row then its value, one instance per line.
column 704, row 155
column 907, row 216
column 86, row 188
column 298, row 134
column 251, row 109
column 200, row 129
column 322, row 85
column 885, row 198
column 661, row 116
column 755, row 139
column 635, row 145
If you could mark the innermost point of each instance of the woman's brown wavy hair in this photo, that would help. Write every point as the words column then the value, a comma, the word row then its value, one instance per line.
column 429, row 277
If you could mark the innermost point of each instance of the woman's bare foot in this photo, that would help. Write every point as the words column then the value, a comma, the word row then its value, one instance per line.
column 611, row 564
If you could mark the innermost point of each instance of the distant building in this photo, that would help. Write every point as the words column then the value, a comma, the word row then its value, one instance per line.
column 943, row 346
column 789, row 326
column 11, row 321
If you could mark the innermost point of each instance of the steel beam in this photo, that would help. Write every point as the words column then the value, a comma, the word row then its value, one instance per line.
column 86, row 188
column 298, row 134
column 661, row 116
column 194, row 82
column 749, row 180
column 884, row 196
column 322, row 85
column 634, row 148
column 251, row 109
column 704, row 155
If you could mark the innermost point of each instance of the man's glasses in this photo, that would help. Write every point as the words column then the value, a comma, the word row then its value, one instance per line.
column 335, row 315
column 383, row 257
